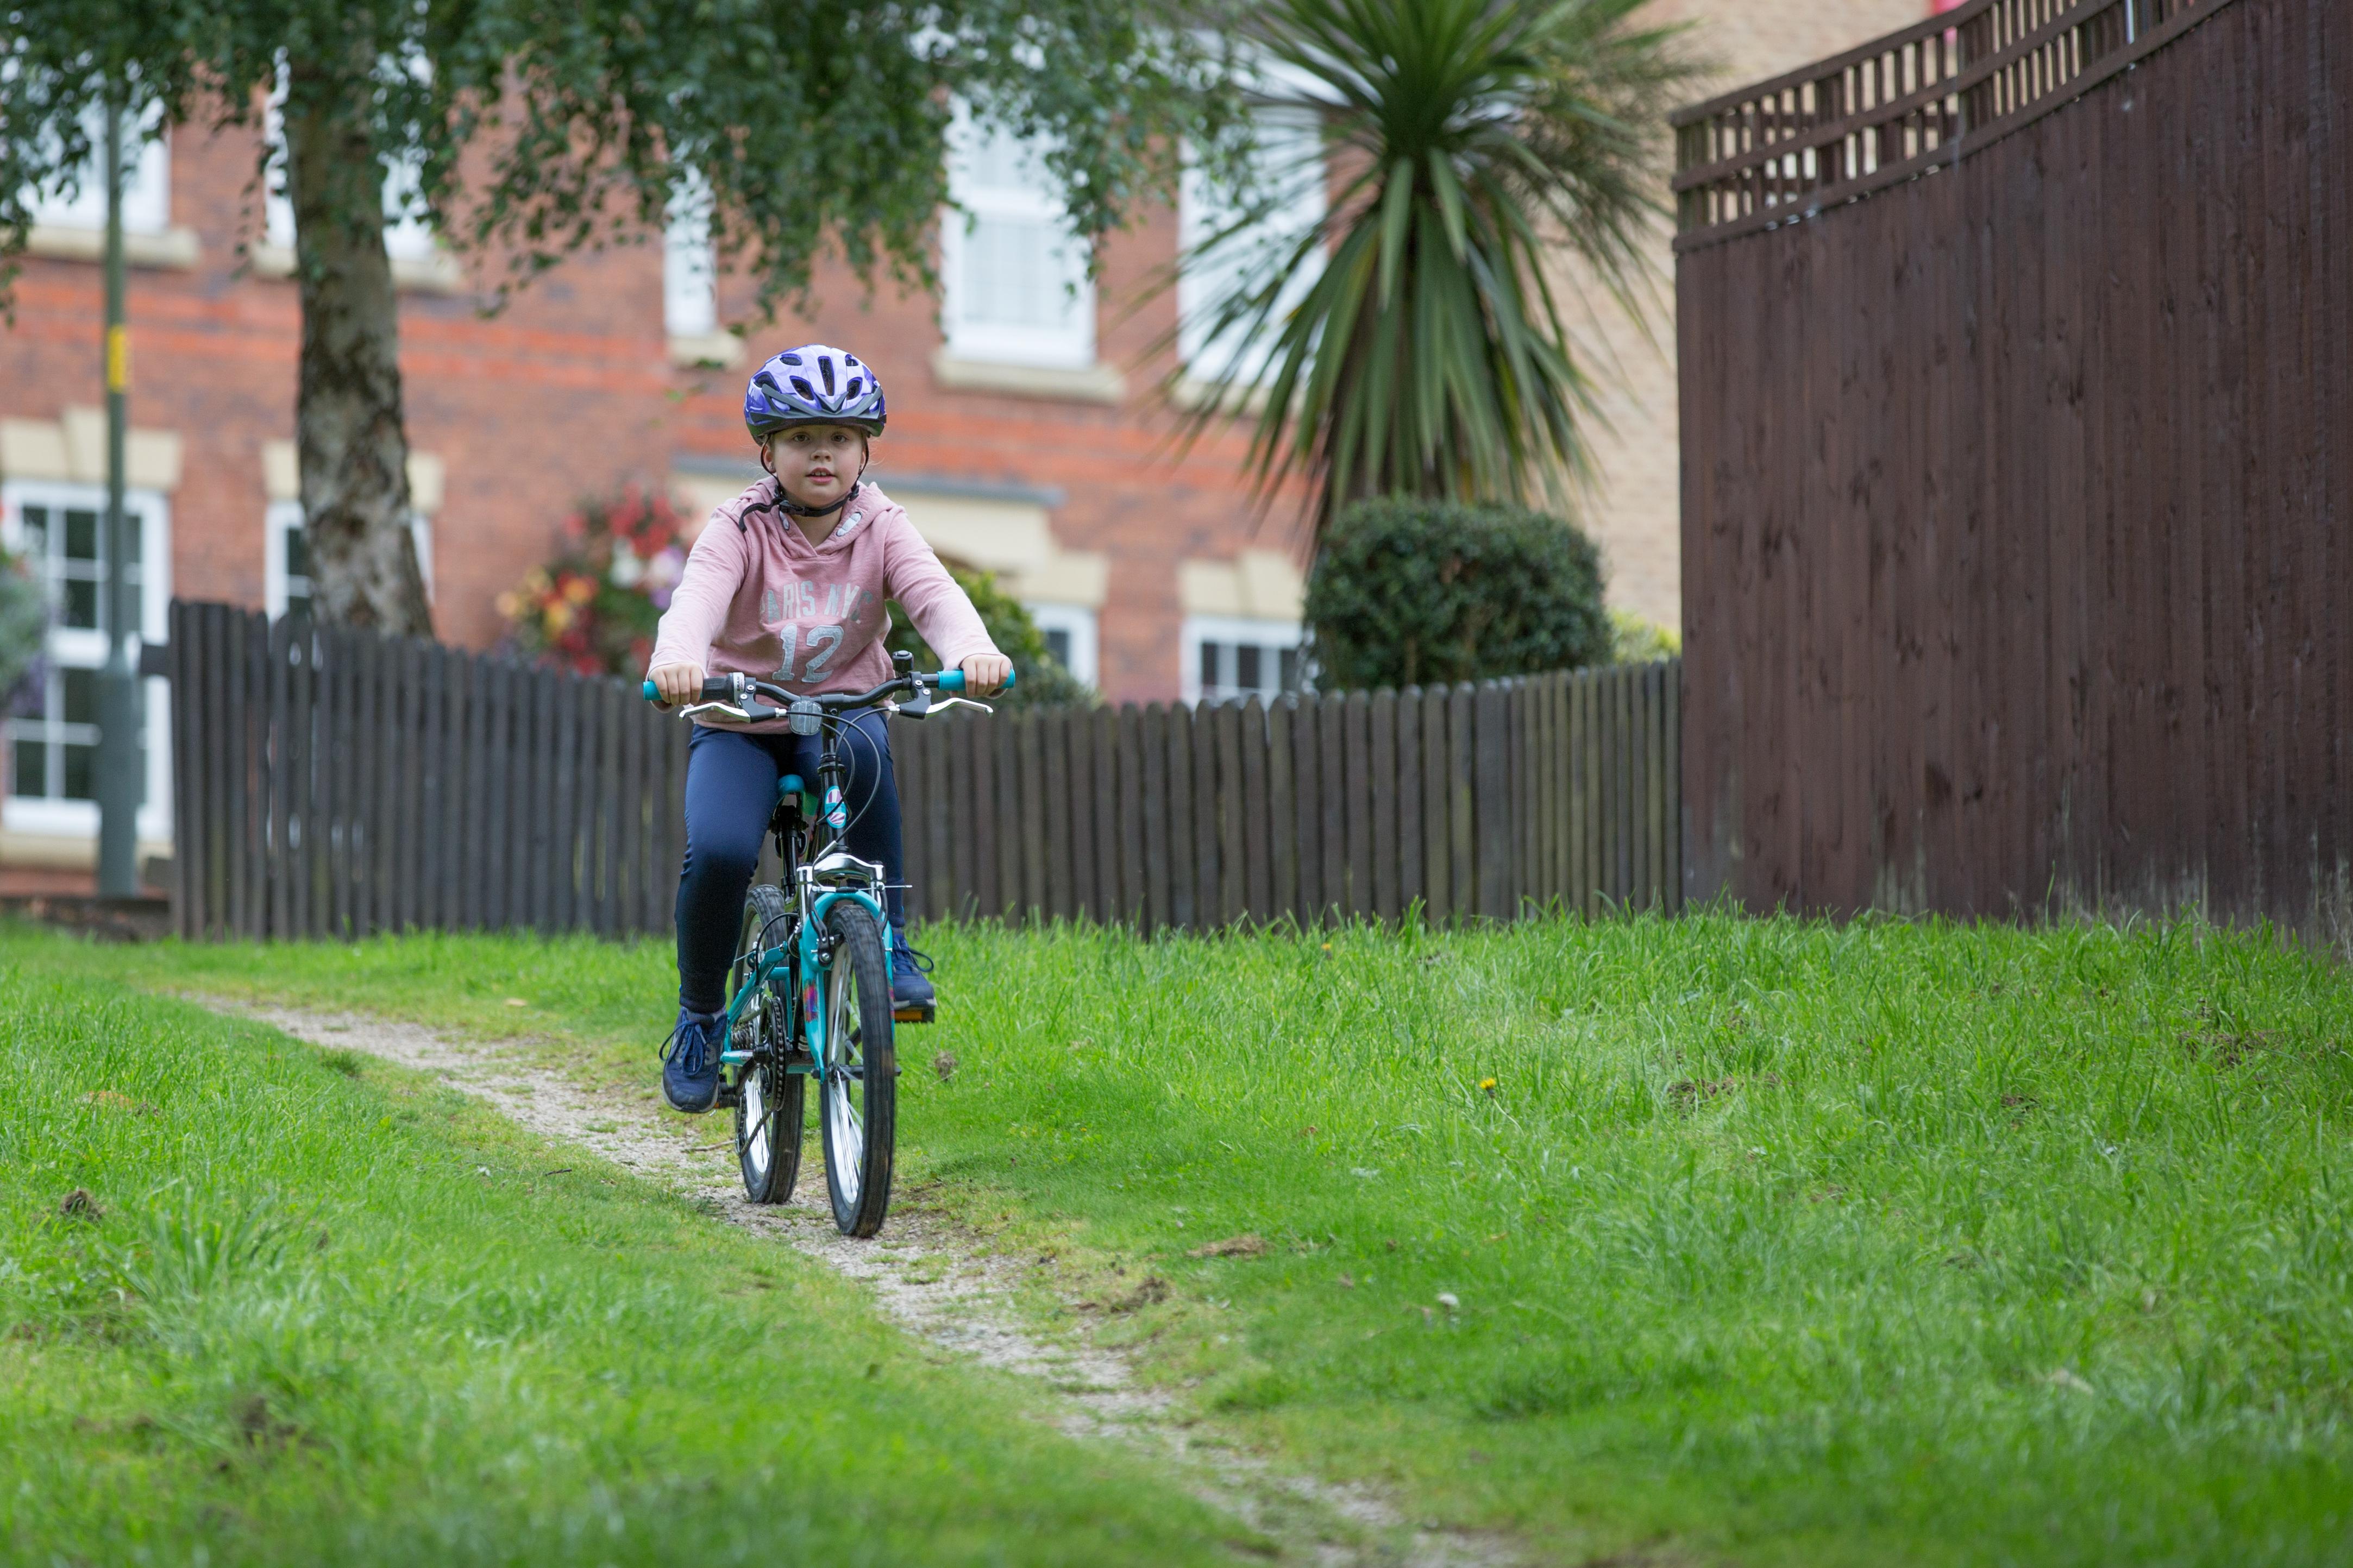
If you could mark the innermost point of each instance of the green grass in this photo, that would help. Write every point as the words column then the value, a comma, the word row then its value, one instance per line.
column 1770, row 1242
column 326, row 1311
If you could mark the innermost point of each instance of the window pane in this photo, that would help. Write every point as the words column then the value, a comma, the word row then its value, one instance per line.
column 1209, row 665
column 81, row 535
column 299, row 604
column 36, row 533
column 80, row 770
column 82, row 696
column 690, row 274
column 1246, row 657
column 1290, row 170
column 80, row 604
column 1290, row 669
column 31, row 768
column 1017, row 272
column 1058, row 643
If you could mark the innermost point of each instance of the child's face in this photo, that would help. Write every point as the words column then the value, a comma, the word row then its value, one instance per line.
column 817, row 464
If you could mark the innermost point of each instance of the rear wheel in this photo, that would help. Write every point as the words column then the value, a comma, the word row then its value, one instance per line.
column 768, row 1106
column 858, row 1104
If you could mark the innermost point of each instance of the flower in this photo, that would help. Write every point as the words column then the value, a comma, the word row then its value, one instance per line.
column 1488, row 1084
column 594, row 606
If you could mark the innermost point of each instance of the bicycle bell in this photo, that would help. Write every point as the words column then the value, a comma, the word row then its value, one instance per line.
column 804, row 717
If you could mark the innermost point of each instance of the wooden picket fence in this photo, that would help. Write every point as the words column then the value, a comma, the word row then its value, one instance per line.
column 1466, row 802
column 331, row 784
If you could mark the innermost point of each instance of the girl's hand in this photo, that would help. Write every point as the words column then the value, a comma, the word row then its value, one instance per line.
column 985, row 672
column 677, row 682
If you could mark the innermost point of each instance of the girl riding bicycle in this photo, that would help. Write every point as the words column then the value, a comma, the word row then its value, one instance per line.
column 786, row 581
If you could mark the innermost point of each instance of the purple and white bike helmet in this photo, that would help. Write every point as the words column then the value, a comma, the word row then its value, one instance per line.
column 814, row 384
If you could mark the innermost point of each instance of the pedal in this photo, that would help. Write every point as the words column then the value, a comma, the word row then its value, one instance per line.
column 922, row 1015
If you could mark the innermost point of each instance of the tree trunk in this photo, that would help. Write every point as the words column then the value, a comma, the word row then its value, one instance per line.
column 353, row 446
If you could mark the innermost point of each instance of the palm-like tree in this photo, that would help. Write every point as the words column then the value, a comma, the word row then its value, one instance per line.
column 1465, row 142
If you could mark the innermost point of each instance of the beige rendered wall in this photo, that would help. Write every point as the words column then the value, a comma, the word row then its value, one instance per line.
column 1633, row 513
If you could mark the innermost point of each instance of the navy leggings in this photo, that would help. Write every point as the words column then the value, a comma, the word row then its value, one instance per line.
column 730, row 791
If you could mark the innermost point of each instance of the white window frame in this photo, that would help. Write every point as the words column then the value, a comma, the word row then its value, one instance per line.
column 1032, row 199
column 73, row 648
column 277, row 585
column 146, row 195
column 1077, row 622
column 1271, row 635
column 284, row 517
column 1287, row 137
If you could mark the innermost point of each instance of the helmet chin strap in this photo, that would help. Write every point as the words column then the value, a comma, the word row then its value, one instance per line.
column 784, row 499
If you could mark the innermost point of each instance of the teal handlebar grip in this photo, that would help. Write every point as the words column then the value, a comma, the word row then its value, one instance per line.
column 952, row 681
column 653, row 692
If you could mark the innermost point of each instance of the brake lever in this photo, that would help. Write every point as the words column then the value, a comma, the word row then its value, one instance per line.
column 961, row 702
column 724, row 710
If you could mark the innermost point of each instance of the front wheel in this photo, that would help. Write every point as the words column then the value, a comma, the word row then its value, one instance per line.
column 768, row 1101
column 858, row 1103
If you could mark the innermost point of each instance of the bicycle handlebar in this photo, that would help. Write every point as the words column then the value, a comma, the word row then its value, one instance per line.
column 725, row 689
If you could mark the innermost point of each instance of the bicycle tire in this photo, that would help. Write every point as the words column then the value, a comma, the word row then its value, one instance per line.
column 858, row 1102
column 769, row 1108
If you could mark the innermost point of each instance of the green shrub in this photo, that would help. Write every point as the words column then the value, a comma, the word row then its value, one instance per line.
column 24, row 622
column 1042, row 682
column 1413, row 593
column 1638, row 639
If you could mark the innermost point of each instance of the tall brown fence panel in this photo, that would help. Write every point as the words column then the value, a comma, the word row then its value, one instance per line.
column 334, row 784
column 2015, row 538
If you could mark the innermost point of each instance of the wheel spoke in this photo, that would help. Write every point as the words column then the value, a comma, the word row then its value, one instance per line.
column 756, row 1120
column 841, row 1109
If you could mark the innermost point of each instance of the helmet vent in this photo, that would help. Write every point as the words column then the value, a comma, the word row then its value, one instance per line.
column 805, row 389
column 825, row 369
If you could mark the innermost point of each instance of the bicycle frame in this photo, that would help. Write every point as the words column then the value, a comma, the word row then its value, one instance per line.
column 810, row 898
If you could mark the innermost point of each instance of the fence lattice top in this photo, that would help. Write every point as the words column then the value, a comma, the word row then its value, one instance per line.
column 1917, row 100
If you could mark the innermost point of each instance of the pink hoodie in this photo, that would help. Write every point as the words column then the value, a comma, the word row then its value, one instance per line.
column 757, row 598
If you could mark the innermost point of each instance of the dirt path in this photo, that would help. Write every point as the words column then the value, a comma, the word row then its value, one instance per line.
column 963, row 1304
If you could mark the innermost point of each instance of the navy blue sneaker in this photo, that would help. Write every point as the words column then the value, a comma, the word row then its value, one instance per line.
column 912, row 996
column 691, row 1061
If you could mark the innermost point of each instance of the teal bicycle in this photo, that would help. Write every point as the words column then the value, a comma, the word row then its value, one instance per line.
column 809, row 992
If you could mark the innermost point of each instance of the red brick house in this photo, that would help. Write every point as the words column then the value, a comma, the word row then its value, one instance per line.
column 1026, row 436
